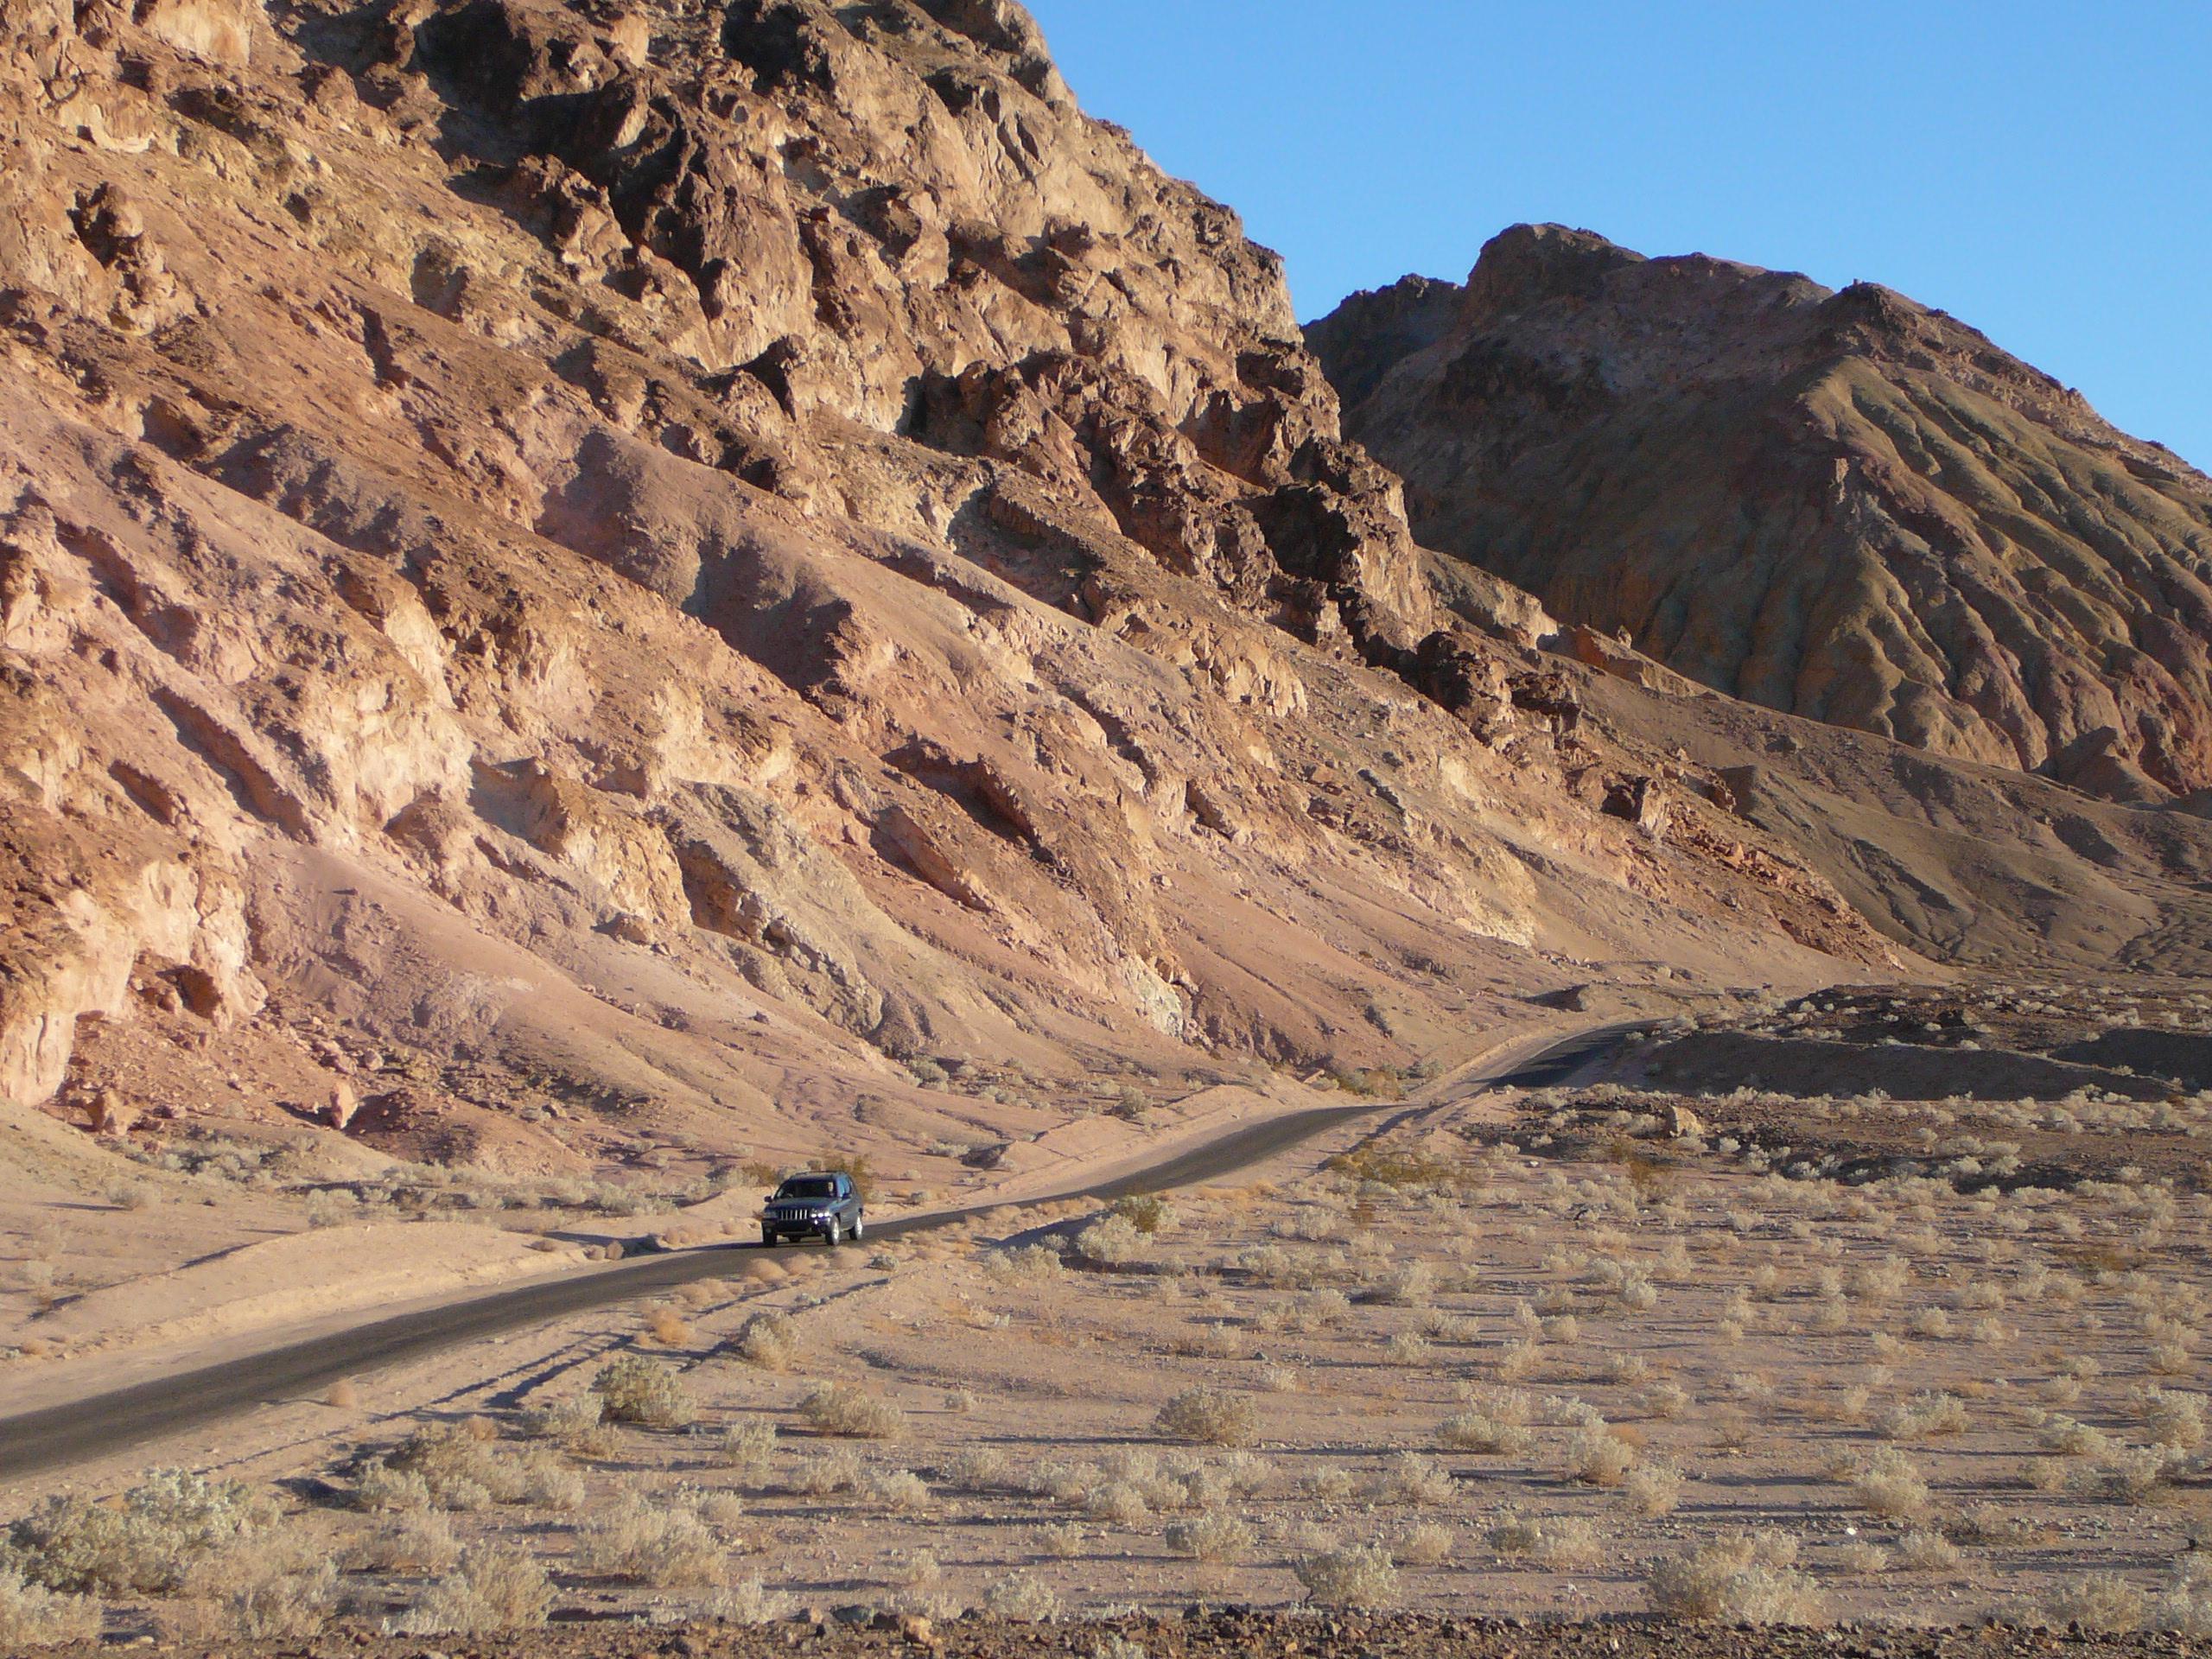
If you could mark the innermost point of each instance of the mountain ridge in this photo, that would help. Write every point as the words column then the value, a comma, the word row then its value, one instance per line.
column 1948, row 546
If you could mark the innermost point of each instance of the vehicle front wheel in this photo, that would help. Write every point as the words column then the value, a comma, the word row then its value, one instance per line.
column 767, row 1238
column 835, row 1236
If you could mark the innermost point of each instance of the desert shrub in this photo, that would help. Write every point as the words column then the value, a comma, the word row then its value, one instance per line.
column 1726, row 1578
column 1411, row 1479
column 2097, row 1601
column 2065, row 1437
column 1862, row 1559
column 1665, row 1400
column 32, row 1616
column 976, row 1468
column 1062, row 1540
column 496, row 1587
column 142, row 1543
column 422, row 1542
column 769, row 1340
column 664, row 1545
column 269, row 1589
column 1214, row 1536
column 833, row 1471
column 1022, row 1599
column 747, row 1447
column 1477, row 1430
column 460, row 1468
column 577, row 1425
column 1599, row 1457
column 1926, row 1416
column 1570, row 1544
column 1653, row 1490
column 2172, row 1420
column 844, row 1409
column 1921, row 1551
column 379, row 1488
column 2185, row 1605
column 1024, row 1264
column 1360, row 1576
column 1407, row 1348
column 1425, row 1544
column 1113, row 1242
column 1211, row 1416
column 668, row 1326
column 636, row 1389
column 1887, row 1485
column 901, row 1489
column 2127, row 1474
column 748, row 1602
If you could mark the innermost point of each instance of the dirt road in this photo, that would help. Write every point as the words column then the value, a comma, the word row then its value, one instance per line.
column 103, row 1424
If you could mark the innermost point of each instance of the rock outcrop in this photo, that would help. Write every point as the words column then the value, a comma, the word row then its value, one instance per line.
column 1843, row 506
column 670, row 569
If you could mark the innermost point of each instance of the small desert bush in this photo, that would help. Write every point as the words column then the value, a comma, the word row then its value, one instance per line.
column 832, row 1472
column 496, row 1587
column 665, row 1545
column 1024, row 1264
column 462, row 1467
column 418, row 1543
column 1599, row 1457
column 1729, row 1580
column 143, row 1542
column 1887, row 1485
column 636, row 1389
column 1021, row 1600
column 1113, row 1242
column 2097, row 1601
column 1653, row 1490
column 1411, row 1479
column 1565, row 1543
column 1214, row 1536
column 747, row 1447
column 1925, row 1417
column 1209, row 1415
column 1360, row 1576
column 578, row 1425
column 748, row 1602
column 668, row 1326
column 2172, row 1420
column 32, row 1616
column 1118, row 1503
column 281, row 1588
column 1476, row 1431
column 769, row 1340
column 841, row 1408
column 1926, row 1552
column 1425, row 1544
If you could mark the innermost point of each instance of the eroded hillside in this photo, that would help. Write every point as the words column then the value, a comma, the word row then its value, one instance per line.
column 578, row 574
column 1843, row 505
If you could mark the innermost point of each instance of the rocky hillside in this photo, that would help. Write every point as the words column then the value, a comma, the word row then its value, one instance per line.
column 1841, row 505
column 579, row 574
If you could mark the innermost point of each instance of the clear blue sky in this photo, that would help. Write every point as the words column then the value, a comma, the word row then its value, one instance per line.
column 2042, row 171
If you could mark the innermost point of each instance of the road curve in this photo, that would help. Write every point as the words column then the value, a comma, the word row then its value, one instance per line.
column 103, row 1424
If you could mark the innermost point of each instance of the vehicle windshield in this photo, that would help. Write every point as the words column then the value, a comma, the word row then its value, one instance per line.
column 808, row 1187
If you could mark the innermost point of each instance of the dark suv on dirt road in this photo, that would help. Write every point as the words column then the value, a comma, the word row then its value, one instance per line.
column 812, row 1206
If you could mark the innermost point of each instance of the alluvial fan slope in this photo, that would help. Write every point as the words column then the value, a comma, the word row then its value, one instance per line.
column 1840, row 505
column 661, row 563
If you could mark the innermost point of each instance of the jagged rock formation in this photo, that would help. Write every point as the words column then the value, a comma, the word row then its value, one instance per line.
column 1841, row 505
column 661, row 565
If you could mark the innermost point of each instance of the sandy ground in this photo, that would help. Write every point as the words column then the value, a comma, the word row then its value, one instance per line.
column 1526, row 1345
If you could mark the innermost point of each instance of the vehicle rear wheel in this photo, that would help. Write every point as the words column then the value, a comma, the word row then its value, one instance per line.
column 860, row 1226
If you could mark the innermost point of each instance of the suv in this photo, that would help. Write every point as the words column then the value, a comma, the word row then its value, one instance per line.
column 812, row 1206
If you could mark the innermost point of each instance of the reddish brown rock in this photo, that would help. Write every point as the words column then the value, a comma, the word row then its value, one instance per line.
column 1840, row 505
